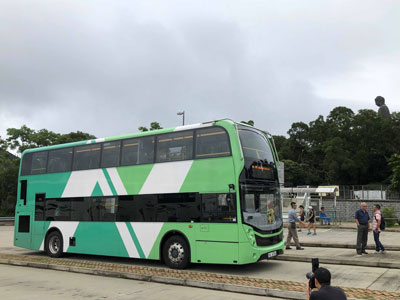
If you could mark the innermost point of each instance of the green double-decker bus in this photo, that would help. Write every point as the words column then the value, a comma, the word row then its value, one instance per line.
column 202, row 193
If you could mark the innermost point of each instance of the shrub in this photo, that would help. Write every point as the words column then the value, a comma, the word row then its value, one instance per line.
column 389, row 212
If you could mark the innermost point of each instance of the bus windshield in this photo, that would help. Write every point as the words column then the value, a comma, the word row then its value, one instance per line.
column 261, row 206
column 259, row 186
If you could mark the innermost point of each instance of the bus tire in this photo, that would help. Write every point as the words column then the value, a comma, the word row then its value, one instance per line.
column 176, row 252
column 54, row 244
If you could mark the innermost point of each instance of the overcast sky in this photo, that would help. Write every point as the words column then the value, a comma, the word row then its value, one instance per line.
column 107, row 67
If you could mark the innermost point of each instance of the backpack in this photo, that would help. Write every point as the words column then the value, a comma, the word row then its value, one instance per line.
column 383, row 224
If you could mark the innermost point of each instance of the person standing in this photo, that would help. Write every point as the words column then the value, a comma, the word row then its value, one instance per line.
column 362, row 220
column 302, row 216
column 376, row 224
column 311, row 220
column 292, row 216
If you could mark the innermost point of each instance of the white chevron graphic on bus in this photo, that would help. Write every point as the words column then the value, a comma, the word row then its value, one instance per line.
column 82, row 183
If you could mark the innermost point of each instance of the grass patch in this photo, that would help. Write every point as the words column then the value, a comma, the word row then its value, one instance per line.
column 394, row 226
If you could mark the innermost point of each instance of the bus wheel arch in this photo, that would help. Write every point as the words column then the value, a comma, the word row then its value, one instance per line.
column 175, row 240
column 53, row 243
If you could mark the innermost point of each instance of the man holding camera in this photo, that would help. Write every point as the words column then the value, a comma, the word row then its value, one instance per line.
column 322, row 281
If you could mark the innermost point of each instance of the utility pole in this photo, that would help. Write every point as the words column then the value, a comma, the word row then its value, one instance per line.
column 182, row 113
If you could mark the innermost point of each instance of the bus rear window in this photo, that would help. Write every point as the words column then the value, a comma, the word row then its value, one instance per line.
column 26, row 164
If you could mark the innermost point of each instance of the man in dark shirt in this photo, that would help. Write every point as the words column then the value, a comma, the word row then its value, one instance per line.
column 325, row 290
column 362, row 220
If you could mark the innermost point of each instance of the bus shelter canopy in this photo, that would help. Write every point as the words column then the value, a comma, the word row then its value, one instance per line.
column 326, row 190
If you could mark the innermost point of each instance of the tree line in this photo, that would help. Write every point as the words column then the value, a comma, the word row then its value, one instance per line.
column 18, row 140
column 343, row 148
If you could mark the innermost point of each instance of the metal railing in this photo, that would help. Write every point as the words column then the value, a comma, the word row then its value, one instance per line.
column 6, row 219
column 367, row 192
column 353, row 192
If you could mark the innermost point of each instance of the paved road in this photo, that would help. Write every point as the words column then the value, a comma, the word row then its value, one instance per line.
column 348, row 276
column 38, row 284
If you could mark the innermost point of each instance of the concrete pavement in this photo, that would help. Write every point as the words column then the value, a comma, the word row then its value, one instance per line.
column 293, row 269
column 16, row 283
column 286, row 275
column 342, row 238
column 214, row 281
column 337, row 246
column 348, row 226
column 341, row 256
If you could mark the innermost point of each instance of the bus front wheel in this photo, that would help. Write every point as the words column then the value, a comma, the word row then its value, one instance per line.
column 176, row 253
column 54, row 244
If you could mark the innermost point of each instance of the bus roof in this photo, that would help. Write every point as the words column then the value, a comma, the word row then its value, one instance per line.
column 136, row 134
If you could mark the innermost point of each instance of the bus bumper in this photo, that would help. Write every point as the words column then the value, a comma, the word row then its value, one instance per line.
column 251, row 254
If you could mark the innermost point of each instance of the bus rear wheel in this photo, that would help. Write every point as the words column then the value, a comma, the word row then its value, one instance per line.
column 54, row 244
column 176, row 253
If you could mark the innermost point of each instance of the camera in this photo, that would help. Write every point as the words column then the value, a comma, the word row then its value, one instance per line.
column 311, row 276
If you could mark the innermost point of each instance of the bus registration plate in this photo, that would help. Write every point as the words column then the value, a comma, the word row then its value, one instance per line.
column 272, row 254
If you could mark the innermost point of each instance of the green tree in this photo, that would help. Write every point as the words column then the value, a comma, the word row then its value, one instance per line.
column 3, row 144
column 24, row 138
column 8, row 181
column 374, row 142
column 250, row 122
column 338, row 163
column 20, row 139
column 346, row 148
column 299, row 141
column 340, row 120
column 281, row 144
column 299, row 174
column 153, row 126
column 394, row 163
column 73, row 137
column 389, row 213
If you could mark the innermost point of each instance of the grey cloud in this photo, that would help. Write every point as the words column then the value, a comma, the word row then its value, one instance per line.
column 107, row 68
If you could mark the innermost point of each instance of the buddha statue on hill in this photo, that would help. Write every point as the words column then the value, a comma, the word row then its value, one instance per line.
column 383, row 109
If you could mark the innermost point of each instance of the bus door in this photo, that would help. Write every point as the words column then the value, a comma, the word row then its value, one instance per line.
column 23, row 217
column 38, row 216
column 217, row 234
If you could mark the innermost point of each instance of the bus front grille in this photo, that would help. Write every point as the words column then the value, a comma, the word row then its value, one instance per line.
column 269, row 241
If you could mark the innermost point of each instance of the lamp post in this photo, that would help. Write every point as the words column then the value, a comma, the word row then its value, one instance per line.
column 182, row 113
